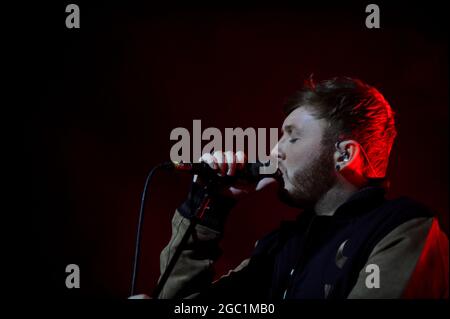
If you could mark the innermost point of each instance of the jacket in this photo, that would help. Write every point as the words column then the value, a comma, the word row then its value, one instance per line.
column 370, row 248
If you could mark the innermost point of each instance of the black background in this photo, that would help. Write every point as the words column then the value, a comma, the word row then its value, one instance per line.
column 106, row 97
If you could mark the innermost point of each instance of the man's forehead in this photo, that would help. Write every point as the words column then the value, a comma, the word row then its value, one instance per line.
column 298, row 119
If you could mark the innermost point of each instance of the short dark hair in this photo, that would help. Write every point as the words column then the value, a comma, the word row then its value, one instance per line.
column 353, row 110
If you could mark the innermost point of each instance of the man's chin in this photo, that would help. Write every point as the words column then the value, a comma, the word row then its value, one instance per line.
column 287, row 198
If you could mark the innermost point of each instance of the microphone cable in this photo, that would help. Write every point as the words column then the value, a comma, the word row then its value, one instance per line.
column 140, row 224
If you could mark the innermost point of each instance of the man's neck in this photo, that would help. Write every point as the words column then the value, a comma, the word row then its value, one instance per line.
column 333, row 198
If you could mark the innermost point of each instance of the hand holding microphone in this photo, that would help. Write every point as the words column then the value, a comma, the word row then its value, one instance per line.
column 241, row 178
column 247, row 178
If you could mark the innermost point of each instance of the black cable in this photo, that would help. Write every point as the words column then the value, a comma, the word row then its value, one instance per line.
column 174, row 259
column 188, row 233
column 140, row 223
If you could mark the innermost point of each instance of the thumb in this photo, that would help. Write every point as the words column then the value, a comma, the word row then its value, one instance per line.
column 265, row 182
column 141, row 296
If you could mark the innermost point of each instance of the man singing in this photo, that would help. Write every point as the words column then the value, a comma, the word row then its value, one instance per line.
column 333, row 156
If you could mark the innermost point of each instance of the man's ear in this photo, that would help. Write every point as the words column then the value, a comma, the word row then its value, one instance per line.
column 350, row 162
column 348, row 155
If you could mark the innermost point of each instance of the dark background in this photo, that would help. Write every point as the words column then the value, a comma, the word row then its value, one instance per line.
column 110, row 93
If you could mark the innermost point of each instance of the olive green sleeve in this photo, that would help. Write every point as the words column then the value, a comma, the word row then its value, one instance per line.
column 397, row 257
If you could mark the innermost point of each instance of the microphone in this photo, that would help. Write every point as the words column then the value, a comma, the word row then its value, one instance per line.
column 252, row 172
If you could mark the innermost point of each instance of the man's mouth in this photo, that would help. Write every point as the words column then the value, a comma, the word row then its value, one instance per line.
column 281, row 175
column 281, row 171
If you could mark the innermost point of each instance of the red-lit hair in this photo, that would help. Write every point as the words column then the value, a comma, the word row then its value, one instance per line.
column 353, row 110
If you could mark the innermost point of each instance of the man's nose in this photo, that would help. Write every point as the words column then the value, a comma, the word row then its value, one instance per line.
column 276, row 152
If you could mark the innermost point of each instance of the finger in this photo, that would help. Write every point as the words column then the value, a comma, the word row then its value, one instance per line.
column 141, row 296
column 196, row 176
column 210, row 160
column 265, row 182
column 241, row 158
column 219, row 158
column 231, row 163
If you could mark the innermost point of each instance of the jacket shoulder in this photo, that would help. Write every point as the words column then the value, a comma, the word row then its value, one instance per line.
column 406, row 208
